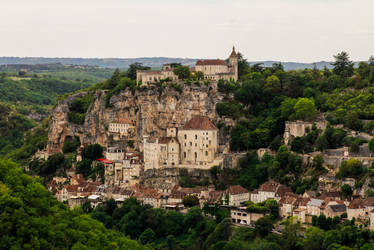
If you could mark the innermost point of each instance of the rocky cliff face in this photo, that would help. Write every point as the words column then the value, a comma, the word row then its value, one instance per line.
column 151, row 110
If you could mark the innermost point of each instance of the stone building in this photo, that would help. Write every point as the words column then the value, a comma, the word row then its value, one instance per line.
column 152, row 76
column 193, row 145
column 235, row 195
column 199, row 141
column 217, row 69
column 121, row 127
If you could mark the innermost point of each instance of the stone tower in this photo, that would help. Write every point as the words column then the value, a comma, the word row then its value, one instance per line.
column 233, row 59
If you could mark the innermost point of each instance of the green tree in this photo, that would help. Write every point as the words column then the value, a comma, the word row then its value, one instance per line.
column 92, row 152
column 131, row 72
column 263, row 226
column 190, row 201
column 371, row 145
column 346, row 190
column 313, row 238
column 148, row 236
column 114, row 80
column 273, row 84
column 199, row 75
column 342, row 65
column 183, row 72
column 305, row 109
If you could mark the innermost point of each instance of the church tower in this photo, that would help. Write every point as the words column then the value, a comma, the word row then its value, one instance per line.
column 233, row 59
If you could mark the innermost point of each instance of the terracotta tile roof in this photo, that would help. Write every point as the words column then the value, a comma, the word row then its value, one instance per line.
column 356, row 204
column 122, row 121
column 199, row 123
column 72, row 188
column 369, row 202
column 237, row 189
column 210, row 62
column 215, row 196
column 165, row 140
column 283, row 190
column 287, row 200
column 302, row 201
column 333, row 194
column 269, row 186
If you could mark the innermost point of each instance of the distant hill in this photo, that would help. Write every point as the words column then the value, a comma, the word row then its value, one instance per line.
column 154, row 62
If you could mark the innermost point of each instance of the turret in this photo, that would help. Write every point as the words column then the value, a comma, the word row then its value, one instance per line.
column 233, row 59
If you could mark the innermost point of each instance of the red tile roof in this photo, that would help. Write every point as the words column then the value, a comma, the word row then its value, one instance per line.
column 356, row 204
column 199, row 123
column 269, row 186
column 210, row 62
column 122, row 121
column 237, row 189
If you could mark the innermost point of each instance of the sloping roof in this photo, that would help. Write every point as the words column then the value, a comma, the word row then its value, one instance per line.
column 356, row 204
column 199, row 123
column 105, row 161
column 233, row 53
column 315, row 202
column 122, row 121
column 282, row 190
column 338, row 208
column 211, row 62
column 237, row 189
column 269, row 186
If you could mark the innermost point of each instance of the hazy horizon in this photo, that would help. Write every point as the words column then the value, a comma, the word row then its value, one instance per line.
column 272, row 30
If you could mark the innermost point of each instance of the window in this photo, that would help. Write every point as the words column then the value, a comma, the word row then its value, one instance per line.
column 206, row 153
column 195, row 155
column 185, row 155
column 195, row 137
column 190, row 143
column 185, row 136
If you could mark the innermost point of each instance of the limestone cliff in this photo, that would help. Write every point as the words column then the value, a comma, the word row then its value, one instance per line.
column 151, row 109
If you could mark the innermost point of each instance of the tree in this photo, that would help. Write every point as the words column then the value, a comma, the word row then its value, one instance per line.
column 84, row 167
column 352, row 121
column 190, row 201
column 371, row 61
column 199, row 75
column 183, row 72
column 273, row 84
column 148, row 236
column 305, row 109
column 313, row 238
column 92, row 152
column 114, row 80
column 193, row 217
column 131, row 72
column 371, row 145
column 298, row 144
column 346, row 190
column 342, row 65
column 263, row 226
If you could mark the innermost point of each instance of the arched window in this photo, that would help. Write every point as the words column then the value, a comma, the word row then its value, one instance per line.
column 206, row 153
column 195, row 155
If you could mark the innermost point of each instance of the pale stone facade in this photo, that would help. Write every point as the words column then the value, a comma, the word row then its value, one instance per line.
column 241, row 216
column 193, row 145
column 121, row 127
column 152, row 76
column 235, row 195
column 219, row 69
column 199, row 141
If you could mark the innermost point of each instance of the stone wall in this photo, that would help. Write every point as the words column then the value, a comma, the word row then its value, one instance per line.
column 298, row 128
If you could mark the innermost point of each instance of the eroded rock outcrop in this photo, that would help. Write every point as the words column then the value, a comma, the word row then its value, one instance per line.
column 152, row 110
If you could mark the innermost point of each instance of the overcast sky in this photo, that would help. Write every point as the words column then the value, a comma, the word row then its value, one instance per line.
column 286, row 30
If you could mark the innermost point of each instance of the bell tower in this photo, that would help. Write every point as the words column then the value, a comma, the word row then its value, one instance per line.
column 233, row 59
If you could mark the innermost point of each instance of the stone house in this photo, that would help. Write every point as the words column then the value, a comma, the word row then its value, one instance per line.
column 121, row 127
column 314, row 207
column 269, row 190
column 193, row 145
column 235, row 195
column 333, row 210
column 198, row 141
column 240, row 215
column 356, row 209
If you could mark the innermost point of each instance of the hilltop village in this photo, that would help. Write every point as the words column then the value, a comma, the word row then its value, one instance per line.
column 151, row 142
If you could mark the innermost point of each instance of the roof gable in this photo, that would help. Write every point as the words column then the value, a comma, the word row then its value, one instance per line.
column 199, row 123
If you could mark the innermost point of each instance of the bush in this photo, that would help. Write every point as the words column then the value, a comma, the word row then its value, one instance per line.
column 351, row 168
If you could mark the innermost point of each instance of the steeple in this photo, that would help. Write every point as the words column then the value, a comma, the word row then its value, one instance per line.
column 233, row 53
